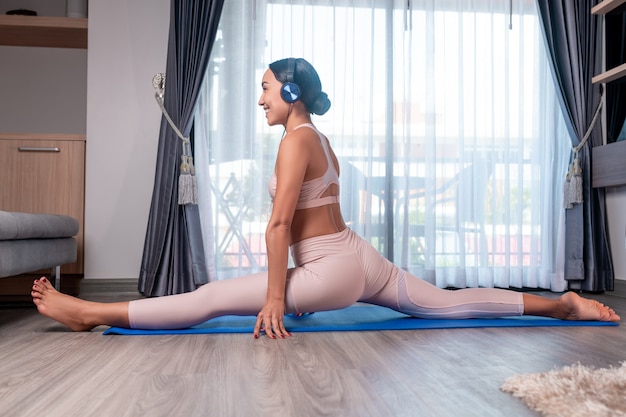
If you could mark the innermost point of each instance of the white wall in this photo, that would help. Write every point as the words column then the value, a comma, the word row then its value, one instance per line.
column 43, row 90
column 616, row 211
column 127, row 46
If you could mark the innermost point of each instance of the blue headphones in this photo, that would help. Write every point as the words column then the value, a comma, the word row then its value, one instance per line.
column 290, row 92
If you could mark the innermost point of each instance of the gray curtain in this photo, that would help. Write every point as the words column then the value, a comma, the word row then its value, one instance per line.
column 173, row 257
column 573, row 36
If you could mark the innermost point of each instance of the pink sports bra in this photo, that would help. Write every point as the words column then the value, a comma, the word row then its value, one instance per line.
column 312, row 190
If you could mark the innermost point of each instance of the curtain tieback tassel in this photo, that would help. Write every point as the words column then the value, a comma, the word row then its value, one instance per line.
column 573, row 187
column 187, row 183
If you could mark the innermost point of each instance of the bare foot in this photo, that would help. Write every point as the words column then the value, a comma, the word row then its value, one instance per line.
column 578, row 308
column 63, row 308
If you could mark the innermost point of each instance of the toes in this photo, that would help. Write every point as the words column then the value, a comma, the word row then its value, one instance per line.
column 41, row 287
column 608, row 314
column 46, row 283
column 36, row 290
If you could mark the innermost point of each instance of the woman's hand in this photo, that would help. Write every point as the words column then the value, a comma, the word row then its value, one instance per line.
column 270, row 320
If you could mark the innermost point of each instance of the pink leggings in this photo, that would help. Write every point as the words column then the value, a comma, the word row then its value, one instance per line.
column 334, row 271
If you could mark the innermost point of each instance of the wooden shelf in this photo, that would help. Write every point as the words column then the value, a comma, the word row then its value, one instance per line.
column 53, row 32
column 607, row 6
column 610, row 75
column 607, row 165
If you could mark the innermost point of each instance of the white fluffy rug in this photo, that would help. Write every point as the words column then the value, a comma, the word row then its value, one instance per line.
column 573, row 391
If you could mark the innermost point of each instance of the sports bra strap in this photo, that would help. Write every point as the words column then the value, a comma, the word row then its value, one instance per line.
column 318, row 202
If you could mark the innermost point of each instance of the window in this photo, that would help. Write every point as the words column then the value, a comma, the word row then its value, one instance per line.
column 452, row 145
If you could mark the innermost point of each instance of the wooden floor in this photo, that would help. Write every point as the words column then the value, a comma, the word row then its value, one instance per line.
column 46, row 370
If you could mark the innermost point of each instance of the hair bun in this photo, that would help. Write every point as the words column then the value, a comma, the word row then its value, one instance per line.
column 321, row 104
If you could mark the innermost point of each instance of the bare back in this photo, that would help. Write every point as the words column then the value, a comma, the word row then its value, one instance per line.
column 327, row 218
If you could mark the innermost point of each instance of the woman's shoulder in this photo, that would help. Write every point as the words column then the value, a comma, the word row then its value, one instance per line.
column 304, row 135
column 295, row 145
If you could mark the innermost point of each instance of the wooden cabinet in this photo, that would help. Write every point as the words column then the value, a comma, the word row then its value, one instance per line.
column 45, row 173
column 44, row 31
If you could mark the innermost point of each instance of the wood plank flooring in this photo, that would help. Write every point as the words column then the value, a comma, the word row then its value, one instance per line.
column 45, row 370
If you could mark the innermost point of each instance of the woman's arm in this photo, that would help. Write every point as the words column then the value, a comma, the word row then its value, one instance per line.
column 291, row 165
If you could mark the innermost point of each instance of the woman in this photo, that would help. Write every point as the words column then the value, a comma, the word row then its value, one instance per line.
column 335, row 267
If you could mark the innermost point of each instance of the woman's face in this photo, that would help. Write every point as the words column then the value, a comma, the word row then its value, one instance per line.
column 276, row 109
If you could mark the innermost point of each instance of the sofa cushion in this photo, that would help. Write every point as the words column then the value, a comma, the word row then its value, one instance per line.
column 14, row 226
column 23, row 256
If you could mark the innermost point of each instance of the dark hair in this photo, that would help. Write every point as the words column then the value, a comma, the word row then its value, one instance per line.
column 305, row 76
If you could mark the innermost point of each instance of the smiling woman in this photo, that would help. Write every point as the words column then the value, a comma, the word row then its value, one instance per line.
column 287, row 84
column 334, row 267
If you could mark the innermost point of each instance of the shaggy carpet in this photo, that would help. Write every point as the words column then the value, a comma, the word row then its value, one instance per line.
column 573, row 391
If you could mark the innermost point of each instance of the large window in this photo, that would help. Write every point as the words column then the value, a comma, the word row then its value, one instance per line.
column 444, row 117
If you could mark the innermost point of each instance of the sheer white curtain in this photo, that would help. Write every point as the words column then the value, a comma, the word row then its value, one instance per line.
column 444, row 117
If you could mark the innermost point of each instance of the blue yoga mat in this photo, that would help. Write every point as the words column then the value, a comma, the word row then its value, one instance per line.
column 356, row 318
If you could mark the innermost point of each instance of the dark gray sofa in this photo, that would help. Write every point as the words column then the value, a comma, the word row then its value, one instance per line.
column 30, row 242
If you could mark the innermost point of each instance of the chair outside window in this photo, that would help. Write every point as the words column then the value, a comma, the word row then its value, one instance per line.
column 446, row 227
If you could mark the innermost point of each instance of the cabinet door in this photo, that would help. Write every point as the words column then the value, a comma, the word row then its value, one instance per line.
column 45, row 176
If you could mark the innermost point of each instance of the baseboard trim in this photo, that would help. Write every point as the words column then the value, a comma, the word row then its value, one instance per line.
column 110, row 289
column 619, row 288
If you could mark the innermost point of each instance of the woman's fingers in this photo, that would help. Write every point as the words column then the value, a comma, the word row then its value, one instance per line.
column 284, row 331
column 278, row 327
column 258, row 327
column 272, row 327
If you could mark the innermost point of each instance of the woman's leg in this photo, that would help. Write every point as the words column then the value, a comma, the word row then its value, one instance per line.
column 241, row 296
column 406, row 293
column 392, row 287
column 569, row 306
column 326, row 282
column 411, row 295
column 332, row 276
column 77, row 314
